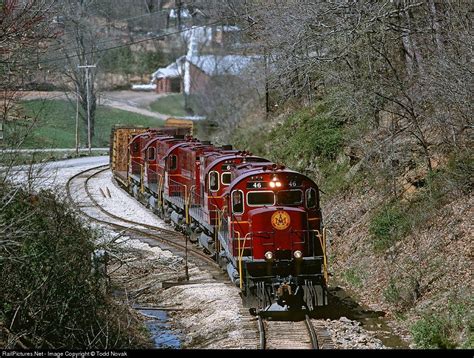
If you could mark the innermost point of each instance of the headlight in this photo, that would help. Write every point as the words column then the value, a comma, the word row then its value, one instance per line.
column 268, row 255
column 298, row 254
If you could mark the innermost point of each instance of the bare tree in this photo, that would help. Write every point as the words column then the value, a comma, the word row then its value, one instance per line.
column 80, row 45
column 409, row 61
column 26, row 30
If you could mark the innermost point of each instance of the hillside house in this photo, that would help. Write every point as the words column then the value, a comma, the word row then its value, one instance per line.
column 167, row 79
column 200, row 69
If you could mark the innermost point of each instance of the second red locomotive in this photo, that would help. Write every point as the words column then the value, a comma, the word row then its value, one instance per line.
column 260, row 221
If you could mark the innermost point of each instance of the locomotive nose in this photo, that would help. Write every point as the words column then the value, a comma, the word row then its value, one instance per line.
column 278, row 232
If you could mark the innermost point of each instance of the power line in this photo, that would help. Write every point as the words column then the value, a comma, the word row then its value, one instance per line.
column 158, row 37
column 124, row 19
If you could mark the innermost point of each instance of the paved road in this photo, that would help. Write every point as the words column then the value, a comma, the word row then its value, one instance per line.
column 61, row 164
column 124, row 106
column 131, row 101
column 79, row 162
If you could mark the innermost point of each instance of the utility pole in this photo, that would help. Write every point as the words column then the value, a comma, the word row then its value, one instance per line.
column 77, row 120
column 178, row 5
column 89, row 144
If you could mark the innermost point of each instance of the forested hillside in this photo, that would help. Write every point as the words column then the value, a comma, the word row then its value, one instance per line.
column 374, row 101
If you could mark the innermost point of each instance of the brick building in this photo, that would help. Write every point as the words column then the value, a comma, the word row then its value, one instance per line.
column 202, row 68
column 168, row 79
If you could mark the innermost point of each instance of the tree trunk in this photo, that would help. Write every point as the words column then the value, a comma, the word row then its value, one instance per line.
column 436, row 26
column 414, row 49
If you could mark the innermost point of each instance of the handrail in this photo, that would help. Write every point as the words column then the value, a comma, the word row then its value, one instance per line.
column 218, row 226
column 240, row 261
column 322, row 241
column 142, row 179
column 241, row 254
column 187, row 200
column 303, row 237
column 175, row 183
column 160, row 190
column 323, row 244
column 129, row 171
column 270, row 233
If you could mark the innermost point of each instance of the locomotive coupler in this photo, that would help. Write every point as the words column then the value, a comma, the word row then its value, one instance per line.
column 284, row 293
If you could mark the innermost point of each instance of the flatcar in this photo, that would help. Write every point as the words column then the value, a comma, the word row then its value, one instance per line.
column 260, row 221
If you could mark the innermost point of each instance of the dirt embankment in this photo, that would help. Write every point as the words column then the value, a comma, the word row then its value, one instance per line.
column 421, row 275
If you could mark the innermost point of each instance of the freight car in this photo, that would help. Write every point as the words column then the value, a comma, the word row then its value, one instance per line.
column 259, row 220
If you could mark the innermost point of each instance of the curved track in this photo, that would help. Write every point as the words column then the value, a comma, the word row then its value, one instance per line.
column 272, row 334
column 85, row 202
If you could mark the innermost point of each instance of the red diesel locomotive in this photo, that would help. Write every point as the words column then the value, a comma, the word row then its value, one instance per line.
column 260, row 221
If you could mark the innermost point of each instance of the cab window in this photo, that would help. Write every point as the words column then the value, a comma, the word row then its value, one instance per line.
column 259, row 198
column 213, row 181
column 311, row 198
column 290, row 197
column 237, row 202
column 173, row 162
column 151, row 153
column 226, row 178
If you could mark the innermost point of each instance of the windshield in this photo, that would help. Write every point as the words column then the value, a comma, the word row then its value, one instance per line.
column 257, row 198
column 290, row 197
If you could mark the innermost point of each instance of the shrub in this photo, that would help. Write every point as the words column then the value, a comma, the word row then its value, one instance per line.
column 119, row 60
column 352, row 277
column 334, row 177
column 449, row 329
column 309, row 141
column 124, row 60
column 392, row 292
column 388, row 225
column 246, row 139
column 431, row 332
column 459, row 172
column 51, row 297
column 310, row 133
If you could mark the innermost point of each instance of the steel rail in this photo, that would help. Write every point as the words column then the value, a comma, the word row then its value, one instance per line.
column 152, row 235
column 136, row 223
column 312, row 332
column 261, row 331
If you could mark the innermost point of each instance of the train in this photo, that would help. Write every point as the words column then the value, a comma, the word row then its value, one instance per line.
column 260, row 221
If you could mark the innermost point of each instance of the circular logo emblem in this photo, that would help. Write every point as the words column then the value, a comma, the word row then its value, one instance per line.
column 280, row 220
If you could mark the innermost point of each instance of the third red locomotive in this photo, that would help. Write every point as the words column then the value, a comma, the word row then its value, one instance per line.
column 259, row 220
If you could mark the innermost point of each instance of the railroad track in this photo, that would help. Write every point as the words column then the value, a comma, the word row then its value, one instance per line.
column 289, row 334
column 79, row 194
